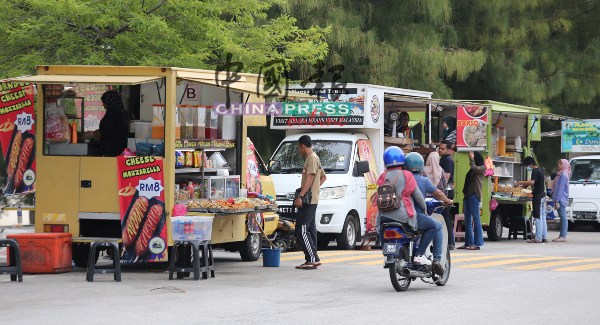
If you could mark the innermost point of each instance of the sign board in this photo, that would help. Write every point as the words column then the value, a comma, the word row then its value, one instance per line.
column 533, row 127
column 142, row 202
column 321, row 114
column 580, row 136
column 17, row 136
column 471, row 127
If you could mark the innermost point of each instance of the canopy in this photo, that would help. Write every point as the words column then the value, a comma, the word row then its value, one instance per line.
column 79, row 79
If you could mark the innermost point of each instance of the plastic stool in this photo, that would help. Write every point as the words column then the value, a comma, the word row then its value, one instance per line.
column 15, row 271
column 208, row 263
column 91, row 270
column 180, row 259
column 520, row 225
column 457, row 227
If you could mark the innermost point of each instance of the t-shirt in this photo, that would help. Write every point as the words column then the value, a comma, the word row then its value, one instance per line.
column 312, row 165
column 447, row 164
column 537, row 175
column 425, row 186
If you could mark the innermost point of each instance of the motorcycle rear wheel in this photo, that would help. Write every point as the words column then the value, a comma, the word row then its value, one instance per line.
column 441, row 281
column 399, row 281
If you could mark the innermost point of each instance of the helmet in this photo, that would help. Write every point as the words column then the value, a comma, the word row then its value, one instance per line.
column 414, row 162
column 393, row 157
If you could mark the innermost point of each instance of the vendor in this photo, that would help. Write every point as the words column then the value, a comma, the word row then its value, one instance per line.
column 449, row 134
column 114, row 126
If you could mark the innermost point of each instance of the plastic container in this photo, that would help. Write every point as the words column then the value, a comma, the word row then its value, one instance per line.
column 143, row 149
column 271, row 257
column 218, row 160
column 501, row 142
column 158, row 121
column 191, row 228
column 143, row 130
column 211, row 124
column 45, row 252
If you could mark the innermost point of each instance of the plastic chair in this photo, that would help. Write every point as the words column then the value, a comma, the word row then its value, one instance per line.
column 181, row 261
column 520, row 225
column 208, row 262
column 458, row 233
column 16, row 270
column 116, row 270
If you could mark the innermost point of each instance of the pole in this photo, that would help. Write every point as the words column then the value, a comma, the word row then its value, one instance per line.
column 429, row 124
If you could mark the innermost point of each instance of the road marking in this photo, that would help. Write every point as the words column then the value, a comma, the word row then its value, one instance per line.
column 549, row 264
column 580, row 267
column 380, row 262
column 301, row 257
column 350, row 258
column 467, row 259
column 511, row 261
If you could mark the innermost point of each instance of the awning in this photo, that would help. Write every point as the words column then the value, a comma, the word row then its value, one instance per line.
column 77, row 79
column 556, row 117
column 244, row 87
column 432, row 101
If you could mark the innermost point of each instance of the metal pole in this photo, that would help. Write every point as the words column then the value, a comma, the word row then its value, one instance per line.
column 429, row 126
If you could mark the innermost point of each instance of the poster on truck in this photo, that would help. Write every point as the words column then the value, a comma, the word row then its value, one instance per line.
column 142, row 202
column 17, row 137
column 580, row 136
column 471, row 126
column 366, row 154
column 323, row 114
column 252, row 175
column 93, row 107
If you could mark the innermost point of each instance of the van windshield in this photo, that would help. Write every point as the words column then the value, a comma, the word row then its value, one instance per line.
column 585, row 170
column 334, row 156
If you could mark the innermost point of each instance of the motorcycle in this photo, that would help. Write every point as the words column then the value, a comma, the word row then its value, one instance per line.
column 400, row 243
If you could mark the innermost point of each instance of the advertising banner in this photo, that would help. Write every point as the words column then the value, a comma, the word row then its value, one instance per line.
column 349, row 113
column 142, row 201
column 93, row 108
column 366, row 154
column 533, row 125
column 471, row 128
column 252, row 174
column 580, row 136
column 17, row 136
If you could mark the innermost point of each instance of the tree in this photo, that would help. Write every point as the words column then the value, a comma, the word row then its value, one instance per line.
column 191, row 34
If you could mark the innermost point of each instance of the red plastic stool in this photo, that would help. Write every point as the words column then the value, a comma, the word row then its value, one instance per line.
column 459, row 234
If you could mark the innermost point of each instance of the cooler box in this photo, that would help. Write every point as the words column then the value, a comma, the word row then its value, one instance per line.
column 45, row 252
column 191, row 228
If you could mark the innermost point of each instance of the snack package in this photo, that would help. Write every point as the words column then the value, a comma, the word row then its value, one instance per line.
column 57, row 124
column 197, row 159
column 189, row 159
column 179, row 159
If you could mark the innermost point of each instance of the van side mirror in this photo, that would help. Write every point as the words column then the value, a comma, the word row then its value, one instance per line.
column 275, row 167
column 361, row 167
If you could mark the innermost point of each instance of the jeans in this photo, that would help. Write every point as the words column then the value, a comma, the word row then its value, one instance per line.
column 564, row 223
column 449, row 219
column 432, row 230
column 472, row 222
column 541, row 227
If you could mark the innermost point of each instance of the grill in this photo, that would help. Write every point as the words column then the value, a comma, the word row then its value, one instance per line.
column 284, row 196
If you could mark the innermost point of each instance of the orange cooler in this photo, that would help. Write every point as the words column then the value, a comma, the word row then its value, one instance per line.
column 45, row 252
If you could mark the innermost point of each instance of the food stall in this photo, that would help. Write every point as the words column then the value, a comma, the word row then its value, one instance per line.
column 83, row 191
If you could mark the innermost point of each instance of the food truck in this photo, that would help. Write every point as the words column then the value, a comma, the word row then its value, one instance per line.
column 182, row 145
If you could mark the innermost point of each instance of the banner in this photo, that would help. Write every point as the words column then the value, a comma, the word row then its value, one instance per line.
column 533, row 127
column 142, row 201
column 581, row 136
column 366, row 154
column 17, row 136
column 326, row 109
column 93, row 107
column 252, row 175
column 471, row 127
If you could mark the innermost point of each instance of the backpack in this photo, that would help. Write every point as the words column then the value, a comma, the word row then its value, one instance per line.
column 387, row 198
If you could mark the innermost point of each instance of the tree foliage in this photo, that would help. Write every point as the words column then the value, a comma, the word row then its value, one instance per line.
column 184, row 33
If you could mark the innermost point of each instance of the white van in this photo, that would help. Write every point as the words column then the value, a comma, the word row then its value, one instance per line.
column 584, row 192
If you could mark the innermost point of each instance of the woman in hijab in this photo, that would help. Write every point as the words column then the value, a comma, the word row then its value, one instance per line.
column 472, row 199
column 435, row 173
column 560, row 195
column 449, row 134
column 114, row 126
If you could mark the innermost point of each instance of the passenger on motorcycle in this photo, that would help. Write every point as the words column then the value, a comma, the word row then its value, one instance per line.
column 432, row 228
column 406, row 189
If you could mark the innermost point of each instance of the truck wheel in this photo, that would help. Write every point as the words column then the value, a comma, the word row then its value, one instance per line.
column 494, row 230
column 347, row 239
column 251, row 247
column 80, row 254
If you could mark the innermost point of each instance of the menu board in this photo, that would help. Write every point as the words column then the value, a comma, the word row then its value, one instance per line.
column 471, row 128
column 580, row 136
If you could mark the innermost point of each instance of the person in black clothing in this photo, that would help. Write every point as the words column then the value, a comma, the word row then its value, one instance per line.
column 539, row 199
column 447, row 164
column 114, row 126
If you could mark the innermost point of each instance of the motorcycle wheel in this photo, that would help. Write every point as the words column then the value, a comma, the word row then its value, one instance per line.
column 441, row 281
column 400, row 282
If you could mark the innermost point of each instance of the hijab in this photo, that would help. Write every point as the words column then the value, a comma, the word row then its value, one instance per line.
column 478, row 159
column 451, row 122
column 565, row 170
column 432, row 169
column 114, row 104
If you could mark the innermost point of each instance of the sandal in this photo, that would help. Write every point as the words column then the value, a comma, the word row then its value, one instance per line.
column 462, row 247
column 306, row 266
column 559, row 239
column 534, row 241
column 473, row 248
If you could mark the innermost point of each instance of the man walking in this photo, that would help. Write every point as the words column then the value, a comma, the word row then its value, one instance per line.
column 447, row 164
column 539, row 199
column 313, row 176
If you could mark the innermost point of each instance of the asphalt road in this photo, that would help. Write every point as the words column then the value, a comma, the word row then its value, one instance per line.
column 505, row 282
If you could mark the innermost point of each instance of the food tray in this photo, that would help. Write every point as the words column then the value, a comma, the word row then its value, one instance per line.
column 502, row 194
column 215, row 210
column 247, row 210
column 272, row 206
column 262, row 207
column 197, row 209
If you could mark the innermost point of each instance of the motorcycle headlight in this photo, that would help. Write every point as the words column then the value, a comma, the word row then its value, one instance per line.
column 332, row 192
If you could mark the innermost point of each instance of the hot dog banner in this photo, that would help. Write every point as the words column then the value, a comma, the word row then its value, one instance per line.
column 142, row 201
column 471, row 126
column 17, row 136
column 366, row 154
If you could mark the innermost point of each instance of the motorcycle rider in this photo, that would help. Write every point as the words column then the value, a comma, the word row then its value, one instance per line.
column 433, row 229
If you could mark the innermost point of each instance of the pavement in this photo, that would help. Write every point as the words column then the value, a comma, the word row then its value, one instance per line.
column 505, row 282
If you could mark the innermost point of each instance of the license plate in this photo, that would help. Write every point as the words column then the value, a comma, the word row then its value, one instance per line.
column 391, row 248
column 287, row 209
column 585, row 216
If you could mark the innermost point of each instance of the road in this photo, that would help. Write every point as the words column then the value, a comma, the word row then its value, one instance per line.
column 505, row 282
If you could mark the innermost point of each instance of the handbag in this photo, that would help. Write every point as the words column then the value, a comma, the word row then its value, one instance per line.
column 307, row 198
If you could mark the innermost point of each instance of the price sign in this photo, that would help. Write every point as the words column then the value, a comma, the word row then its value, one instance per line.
column 149, row 187
column 24, row 122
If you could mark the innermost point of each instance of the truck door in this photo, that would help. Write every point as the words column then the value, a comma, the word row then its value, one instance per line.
column 99, row 190
column 361, row 191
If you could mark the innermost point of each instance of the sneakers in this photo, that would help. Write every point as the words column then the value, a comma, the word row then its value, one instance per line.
column 421, row 260
column 437, row 268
